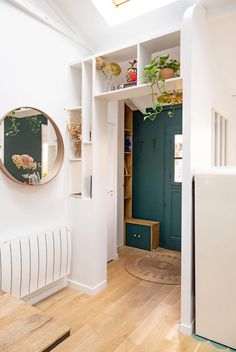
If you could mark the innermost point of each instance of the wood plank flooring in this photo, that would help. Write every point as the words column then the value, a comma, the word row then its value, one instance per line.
column 24, row 328
column 130, row 315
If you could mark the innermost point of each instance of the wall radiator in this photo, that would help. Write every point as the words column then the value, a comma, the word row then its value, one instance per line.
column 30, row 263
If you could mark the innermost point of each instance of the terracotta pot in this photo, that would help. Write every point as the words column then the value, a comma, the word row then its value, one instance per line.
column 166, row 73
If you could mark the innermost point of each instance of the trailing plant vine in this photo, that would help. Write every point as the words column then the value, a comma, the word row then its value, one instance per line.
column 152, row 74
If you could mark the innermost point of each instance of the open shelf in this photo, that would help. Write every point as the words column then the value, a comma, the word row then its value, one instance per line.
column 128, row 161
column 138, row 91
column 120, row 56
column 76, row 195
column 75, row 87
column 76, row 108
column 75, row 159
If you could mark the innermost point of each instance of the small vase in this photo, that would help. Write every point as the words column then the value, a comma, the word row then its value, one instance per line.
column 108, row 83
column 166, row 73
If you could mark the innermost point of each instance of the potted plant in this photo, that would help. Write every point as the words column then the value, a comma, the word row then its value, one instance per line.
column 160, row 69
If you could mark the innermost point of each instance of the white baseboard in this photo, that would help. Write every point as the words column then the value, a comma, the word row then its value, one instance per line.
column 87, row 289
column 45, row 291
column 187, row 329
column 115, row 256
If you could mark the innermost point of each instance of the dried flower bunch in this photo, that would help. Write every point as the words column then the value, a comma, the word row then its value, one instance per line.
column 113, row 68
column 24, row 162
column 75, row 131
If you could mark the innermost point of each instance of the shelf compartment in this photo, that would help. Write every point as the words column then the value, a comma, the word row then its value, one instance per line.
column 76, row 108
column 75, row 159
column 122, row 57
column 75, row 177
column 75, row 86
column 87, row 99
column 76, row 195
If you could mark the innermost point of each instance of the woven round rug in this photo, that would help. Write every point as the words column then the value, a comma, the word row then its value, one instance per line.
column 162, row 267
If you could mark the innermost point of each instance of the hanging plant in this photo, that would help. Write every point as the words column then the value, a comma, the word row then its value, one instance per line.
column 15, row 125
column 156, row 73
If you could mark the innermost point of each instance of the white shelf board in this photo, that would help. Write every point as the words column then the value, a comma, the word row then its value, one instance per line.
column 138, row 91
column 76, row 108
column 75, row 159
column 77, row 196
column 87, row 142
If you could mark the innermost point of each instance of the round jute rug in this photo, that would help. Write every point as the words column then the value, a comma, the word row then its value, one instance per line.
column 162, row 267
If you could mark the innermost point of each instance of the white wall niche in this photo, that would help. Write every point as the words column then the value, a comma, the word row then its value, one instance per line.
column 122, row 57
column 166, row 44
column 75, row 86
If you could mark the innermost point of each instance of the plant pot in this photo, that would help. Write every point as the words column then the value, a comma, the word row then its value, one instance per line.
column 166, row 73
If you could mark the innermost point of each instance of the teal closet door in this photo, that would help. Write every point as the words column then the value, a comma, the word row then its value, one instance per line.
column 172, row 186
column 148, row 158
column 155, row 196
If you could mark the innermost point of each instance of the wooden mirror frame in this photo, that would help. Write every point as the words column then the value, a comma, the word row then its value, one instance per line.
column 60, row 151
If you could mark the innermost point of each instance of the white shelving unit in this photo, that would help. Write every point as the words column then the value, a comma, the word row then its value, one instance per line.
column 81, row 110
column 74, row 115
column 89, row 213
column 88, row 101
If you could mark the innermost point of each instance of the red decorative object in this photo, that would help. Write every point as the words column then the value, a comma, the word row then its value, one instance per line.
column 131, row 75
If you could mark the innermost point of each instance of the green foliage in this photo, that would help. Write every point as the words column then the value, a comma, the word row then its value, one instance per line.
column 35, row 123
column 14, row 129
column 151, row 75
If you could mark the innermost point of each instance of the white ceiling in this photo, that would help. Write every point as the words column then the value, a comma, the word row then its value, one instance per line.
column 84, row 17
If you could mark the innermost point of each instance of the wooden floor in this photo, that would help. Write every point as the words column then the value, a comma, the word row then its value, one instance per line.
column 24, row 328
column 130, row 315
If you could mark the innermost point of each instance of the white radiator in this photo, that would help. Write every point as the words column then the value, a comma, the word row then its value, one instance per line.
column 30, row 263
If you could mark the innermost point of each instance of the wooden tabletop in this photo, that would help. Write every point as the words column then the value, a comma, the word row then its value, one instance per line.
column 24, row 328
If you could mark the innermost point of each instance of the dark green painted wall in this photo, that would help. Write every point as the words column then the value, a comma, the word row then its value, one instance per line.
column 155, row 194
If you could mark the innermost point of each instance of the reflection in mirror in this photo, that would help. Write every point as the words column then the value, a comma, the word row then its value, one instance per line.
column 31, row 147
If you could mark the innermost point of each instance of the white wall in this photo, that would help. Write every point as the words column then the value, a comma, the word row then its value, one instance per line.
column 33, row 69
column 197, row 77
column 224, row 79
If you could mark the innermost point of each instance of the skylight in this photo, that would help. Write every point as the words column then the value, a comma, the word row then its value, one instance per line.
column 119, row 2
column 118, row 11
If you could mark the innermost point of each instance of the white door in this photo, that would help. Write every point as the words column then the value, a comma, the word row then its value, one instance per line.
column 111, row 191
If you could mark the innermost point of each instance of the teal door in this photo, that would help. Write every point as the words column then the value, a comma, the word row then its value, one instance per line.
column 157, row 164
column 172, row 186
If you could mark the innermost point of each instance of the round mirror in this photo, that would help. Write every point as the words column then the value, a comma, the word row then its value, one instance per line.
column 31, row 146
